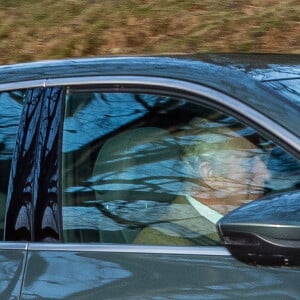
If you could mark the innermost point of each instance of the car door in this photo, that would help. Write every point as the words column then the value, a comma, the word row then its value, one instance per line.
column 129, row 223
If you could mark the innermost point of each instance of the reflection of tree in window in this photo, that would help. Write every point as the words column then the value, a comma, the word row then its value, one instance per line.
column 97, row 115
column 10, row 112
column 144, row 192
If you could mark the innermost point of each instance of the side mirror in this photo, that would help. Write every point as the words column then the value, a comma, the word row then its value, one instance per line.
column 265, row 231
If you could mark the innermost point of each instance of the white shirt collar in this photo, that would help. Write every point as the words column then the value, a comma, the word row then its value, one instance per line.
column 205, row 211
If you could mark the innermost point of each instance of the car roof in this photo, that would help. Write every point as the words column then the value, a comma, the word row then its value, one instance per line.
column 237, row 75
column 259, row 66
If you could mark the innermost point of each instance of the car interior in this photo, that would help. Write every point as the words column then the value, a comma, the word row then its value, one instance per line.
column 125, row 180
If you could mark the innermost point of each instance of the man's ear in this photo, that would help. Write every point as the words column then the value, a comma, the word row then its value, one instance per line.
column 208, row 175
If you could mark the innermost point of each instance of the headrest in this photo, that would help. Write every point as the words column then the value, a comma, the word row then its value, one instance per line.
column 139, row 164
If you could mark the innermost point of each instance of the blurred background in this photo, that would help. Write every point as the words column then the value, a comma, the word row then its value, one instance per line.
column 37, row 30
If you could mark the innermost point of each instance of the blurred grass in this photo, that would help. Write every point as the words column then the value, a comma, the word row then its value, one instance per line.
column 47, row 29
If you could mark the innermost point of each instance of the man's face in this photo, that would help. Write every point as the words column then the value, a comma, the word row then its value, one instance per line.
column 242, row 174
column 231, row 173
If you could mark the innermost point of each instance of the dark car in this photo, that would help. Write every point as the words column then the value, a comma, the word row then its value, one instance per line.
column 151, row 178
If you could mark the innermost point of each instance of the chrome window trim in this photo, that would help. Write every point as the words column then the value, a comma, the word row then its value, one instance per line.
column 14, row 246
column 20, row 85
column 120, row 248
column 215, row 96
column 176, row 84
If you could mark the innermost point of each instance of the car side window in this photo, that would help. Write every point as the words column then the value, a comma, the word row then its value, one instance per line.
column 153, row 169
column 11, row 103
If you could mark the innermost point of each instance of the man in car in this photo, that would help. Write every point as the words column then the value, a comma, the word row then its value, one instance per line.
column 223, row 171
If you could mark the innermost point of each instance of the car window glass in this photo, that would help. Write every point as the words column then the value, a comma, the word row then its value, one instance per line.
column 10, row 113
column 153, row 169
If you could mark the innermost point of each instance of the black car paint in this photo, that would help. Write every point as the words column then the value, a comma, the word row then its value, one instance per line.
column 33, row 212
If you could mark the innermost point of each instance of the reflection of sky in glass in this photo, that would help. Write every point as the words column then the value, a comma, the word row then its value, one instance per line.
column 10, row 268
column 70, row 274
column 276, row 72
column 142, row 211
column 10, row 113
column 285, row 170
column 98, row 118
column 134, row 183
column 162, row 175
column 281, row 208
column 284, row 79
column 104, row 114
column 87, row 218
column 140, row 192
column 289, row 88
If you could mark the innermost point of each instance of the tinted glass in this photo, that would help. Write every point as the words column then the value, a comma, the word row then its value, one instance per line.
column 10, row 113
column 152, row 169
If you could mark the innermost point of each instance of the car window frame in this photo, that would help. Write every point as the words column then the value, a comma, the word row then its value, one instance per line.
column 206, row 96
column 192, row 92
column 218, row 100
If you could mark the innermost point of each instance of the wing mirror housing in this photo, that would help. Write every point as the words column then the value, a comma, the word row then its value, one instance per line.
column 265, row 231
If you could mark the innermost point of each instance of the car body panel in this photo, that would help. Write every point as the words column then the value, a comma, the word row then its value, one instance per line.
column 13, row 258
column 108, row 275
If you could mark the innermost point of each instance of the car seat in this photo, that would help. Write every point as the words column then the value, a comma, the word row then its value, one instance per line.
column 135, row 178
